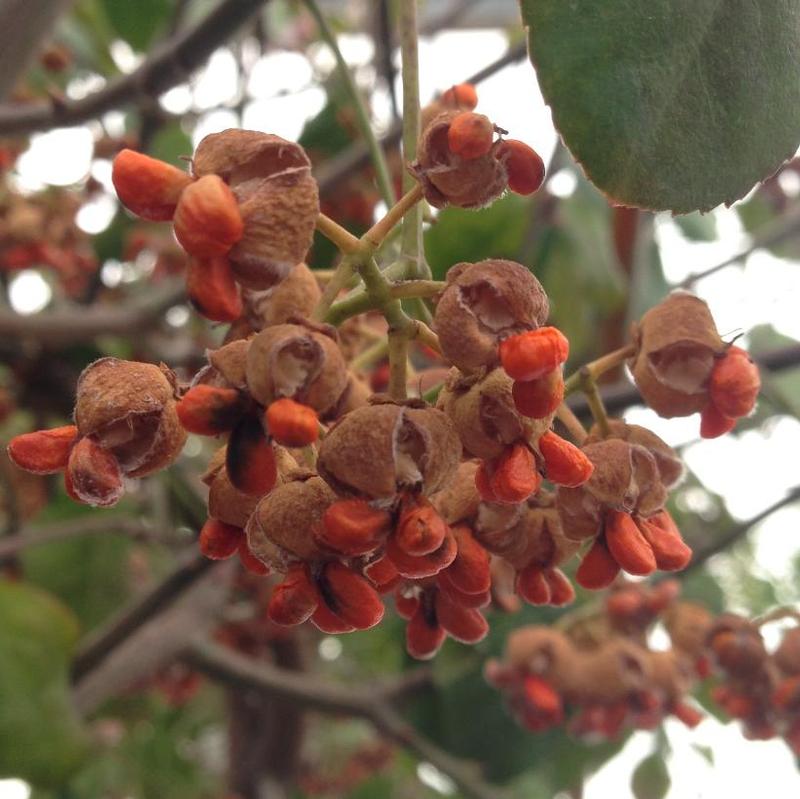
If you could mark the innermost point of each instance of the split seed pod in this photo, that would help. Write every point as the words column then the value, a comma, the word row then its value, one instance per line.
column 225, row 502
column 297, row 295
column 129, row 409
column 483, row 303
column 296, row 362
column 676, row 344
column 625, row 478
column 484, row 413
column 278, row 200
column 378, row 450
column 449, row 178
column 282, row 527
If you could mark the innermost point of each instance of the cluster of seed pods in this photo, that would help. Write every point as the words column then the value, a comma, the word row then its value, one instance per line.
column 346, row 497
column 598, row 676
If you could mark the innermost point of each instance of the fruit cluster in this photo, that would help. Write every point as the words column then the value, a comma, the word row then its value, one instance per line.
column 598, row 676
column 347, row 496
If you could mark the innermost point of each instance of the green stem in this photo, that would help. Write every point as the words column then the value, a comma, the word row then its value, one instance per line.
column 370, row 356
column 598, row 367
column 411, row 243
column 362, row 114
column 344, row 271
column 594, row 400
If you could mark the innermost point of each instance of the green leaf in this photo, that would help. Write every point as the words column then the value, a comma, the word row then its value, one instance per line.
column 698, row 227
column 671, row 104
column 650, row 779
column 41, row 739
column 137, row 21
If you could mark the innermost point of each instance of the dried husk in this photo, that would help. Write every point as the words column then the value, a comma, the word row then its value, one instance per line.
column 377, row 450
column 297, row 295
column 355, row 395
column 459, row 500
column 787, row 655
column 447, row 178
column 484, row 413
column 128, row 408
column 281, row 527
column 670, row 674
column 545, row 652
column 278, row 199
column 614, row 671
column 670, row 467
column 676, row 343
column 230, row 361
column 483, row 303
column 688, row 625
column 295, row 361
column 625, row 478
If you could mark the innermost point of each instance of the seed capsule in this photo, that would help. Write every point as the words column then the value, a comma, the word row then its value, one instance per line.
column 94, row 474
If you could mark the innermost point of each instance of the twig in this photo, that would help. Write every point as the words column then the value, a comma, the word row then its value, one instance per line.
column 786, row 227
column 362, row 114
column 169, row 65
column 778, row 614
column 371, row 703
column 738, row 531
column 106, row 640
column 75, row 528
column 81, row 324
column 333, row 231
column 572, row 423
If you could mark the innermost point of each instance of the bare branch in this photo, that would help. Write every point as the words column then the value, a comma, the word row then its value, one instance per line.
column 170, row 64
column 371, row 703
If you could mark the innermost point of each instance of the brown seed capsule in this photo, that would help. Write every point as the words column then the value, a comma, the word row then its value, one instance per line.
column 225, row 502
column 484, row 413
column 688, row 625
column 614, row 671
column 543, row 651
column 94, row 474
column 230, row 363
column 483, row 303
column 278, row 199
column 297, row 295
column 296, row 362
column 282, row 527
column 625, row 478
column 676, row 344
column 787, row 655
column 129, row 409
column 381, row 449
column 448, row 178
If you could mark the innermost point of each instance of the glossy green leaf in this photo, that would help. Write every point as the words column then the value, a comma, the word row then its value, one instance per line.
column 671, row 104
column 137, row 21
column 41, row 739
column 650, row 779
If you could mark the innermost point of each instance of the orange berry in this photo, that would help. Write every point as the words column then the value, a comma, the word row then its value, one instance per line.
column 561, row 590
column 470, row 135
column 689, row 715
column 597, row 568
column 420, row 529
column 524, row 166
column 422, row 565
column 542, row 696
column 530, row 355
column 510, row 478
column 324, row 619
column 218, row 540
column 353, row 527
column 45, row 451
column 734, row 383
column 532, row 586
column 250, row 459
column 424, row 635
column 295, row 599
column 382, row 574
column 146, row 186
column 564, row 463
column 464, row 624
column 210, row 410
column 627, row 544
column 207, row 218
column 350, row 597
column 212, row 289
column 469, row 571
column 250, row 561
column 291, row 423
column 462, row 95
column 405, row 604
column 539, row 398
column 447, row 586
column 714, row 423
column 663, row 536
